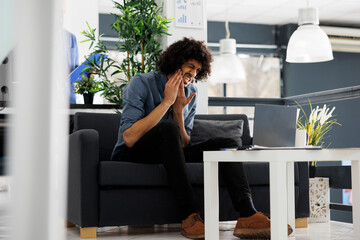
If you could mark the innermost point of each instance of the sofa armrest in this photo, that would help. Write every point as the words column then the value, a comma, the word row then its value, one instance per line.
column 83, row 188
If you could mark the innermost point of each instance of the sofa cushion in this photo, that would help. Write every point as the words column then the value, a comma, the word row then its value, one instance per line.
column 126, row 174
column 206, row 129
column 246, row 138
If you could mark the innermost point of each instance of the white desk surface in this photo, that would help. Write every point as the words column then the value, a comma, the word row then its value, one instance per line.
column 303, row 155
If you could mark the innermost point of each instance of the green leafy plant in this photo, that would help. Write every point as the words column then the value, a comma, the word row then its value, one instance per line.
column 100, row 63
column 139, row 26
column 317, row 125
column 86, row 85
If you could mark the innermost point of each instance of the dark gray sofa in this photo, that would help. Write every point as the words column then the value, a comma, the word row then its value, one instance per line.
column 109, row 193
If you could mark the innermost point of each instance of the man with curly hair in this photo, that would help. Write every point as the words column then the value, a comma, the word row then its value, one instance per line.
column 157, row 119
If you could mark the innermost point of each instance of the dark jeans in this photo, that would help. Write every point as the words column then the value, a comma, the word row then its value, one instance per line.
column 162, row 144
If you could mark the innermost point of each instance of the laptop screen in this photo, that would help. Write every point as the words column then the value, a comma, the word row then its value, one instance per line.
column 274, row 125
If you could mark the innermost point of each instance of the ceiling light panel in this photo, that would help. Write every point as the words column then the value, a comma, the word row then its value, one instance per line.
column 264, row 3
column 349, row 17
column 296, row 4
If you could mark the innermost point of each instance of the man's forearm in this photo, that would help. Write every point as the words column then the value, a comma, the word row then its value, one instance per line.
column 179, row 118
column 142, row 126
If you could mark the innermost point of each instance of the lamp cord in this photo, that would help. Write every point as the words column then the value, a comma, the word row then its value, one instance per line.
column 227, row 29
column 227, row 21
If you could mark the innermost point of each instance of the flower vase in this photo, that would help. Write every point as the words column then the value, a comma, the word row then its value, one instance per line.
column 88, row 98
column 300, row 138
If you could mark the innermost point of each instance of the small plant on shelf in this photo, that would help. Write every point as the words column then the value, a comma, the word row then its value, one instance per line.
column 87, row 86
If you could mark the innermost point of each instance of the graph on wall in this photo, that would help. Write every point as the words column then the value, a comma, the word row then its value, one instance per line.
column 189, row 13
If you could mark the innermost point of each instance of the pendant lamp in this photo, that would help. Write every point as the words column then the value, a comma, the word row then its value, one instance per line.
column 309, row 43
column 227, row 68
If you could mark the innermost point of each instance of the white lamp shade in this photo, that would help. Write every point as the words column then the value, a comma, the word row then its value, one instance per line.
column 227, row 68
column 309, row 43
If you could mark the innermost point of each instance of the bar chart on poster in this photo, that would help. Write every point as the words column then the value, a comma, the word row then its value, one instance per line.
column 189, row 13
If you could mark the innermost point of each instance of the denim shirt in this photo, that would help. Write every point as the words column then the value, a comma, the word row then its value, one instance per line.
column 141, row 96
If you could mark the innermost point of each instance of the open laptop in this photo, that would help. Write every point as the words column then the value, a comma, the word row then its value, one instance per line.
column 274, row 126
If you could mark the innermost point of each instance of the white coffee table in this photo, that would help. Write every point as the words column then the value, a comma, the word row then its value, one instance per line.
column 282, row 197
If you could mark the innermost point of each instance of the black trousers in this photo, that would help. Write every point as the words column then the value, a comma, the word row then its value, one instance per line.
column 162, row 144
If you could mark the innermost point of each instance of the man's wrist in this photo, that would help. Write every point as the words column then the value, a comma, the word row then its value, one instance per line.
column 166, row 104
column 177, row 111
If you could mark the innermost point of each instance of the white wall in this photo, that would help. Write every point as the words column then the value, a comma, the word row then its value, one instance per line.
column 6, row 27
column 76, row 13
column 180, row 32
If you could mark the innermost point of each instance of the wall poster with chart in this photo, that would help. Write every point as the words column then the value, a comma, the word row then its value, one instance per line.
column 189, row 13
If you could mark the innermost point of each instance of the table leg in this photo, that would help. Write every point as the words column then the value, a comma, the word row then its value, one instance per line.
column 355, row 182
column 278, row 197
column 211, row 197
column 291, row 194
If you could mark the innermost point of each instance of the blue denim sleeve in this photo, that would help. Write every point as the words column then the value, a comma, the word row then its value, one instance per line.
column 134, row 98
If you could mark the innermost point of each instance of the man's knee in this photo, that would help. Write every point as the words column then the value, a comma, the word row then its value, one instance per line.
column 169, row 128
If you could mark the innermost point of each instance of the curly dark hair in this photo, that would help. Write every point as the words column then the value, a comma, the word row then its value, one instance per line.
column 182, row 51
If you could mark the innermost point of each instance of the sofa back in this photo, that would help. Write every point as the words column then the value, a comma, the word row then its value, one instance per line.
column 107, row 125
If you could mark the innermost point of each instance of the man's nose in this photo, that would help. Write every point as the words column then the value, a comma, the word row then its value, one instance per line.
column 193, row 73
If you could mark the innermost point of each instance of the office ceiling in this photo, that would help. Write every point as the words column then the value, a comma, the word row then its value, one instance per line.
column 279, row 12
column 275, row 12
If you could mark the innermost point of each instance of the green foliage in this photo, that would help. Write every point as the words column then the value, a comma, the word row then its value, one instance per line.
column 317, row 125
column 113, row 93
column 87, row 85
column 100, row 65
column 139, row 26
column 96, row 65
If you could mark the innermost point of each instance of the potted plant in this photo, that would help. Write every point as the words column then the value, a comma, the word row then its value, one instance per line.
column 87, row 86
column 139, row 26
column 317, row 126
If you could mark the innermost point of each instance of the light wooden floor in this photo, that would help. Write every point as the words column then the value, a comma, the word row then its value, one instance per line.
column 316, row 231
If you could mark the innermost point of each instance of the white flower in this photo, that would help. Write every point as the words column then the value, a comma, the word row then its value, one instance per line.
column 330, row 113
column 314, row 115
column 326, row 115
column 320, row 114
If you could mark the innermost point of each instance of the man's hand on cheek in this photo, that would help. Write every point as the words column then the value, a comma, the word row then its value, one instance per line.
column 172, row 87
column 181, row 100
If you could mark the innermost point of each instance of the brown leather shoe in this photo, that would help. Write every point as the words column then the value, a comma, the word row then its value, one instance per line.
column 256, row 226
column 193, row 227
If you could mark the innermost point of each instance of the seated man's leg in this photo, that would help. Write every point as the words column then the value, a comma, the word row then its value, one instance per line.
column 232, row 173
column 162, row 144
column 251, row 224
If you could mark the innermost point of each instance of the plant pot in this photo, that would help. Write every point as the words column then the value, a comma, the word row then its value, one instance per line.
column 319, row 200
column 88, row 98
